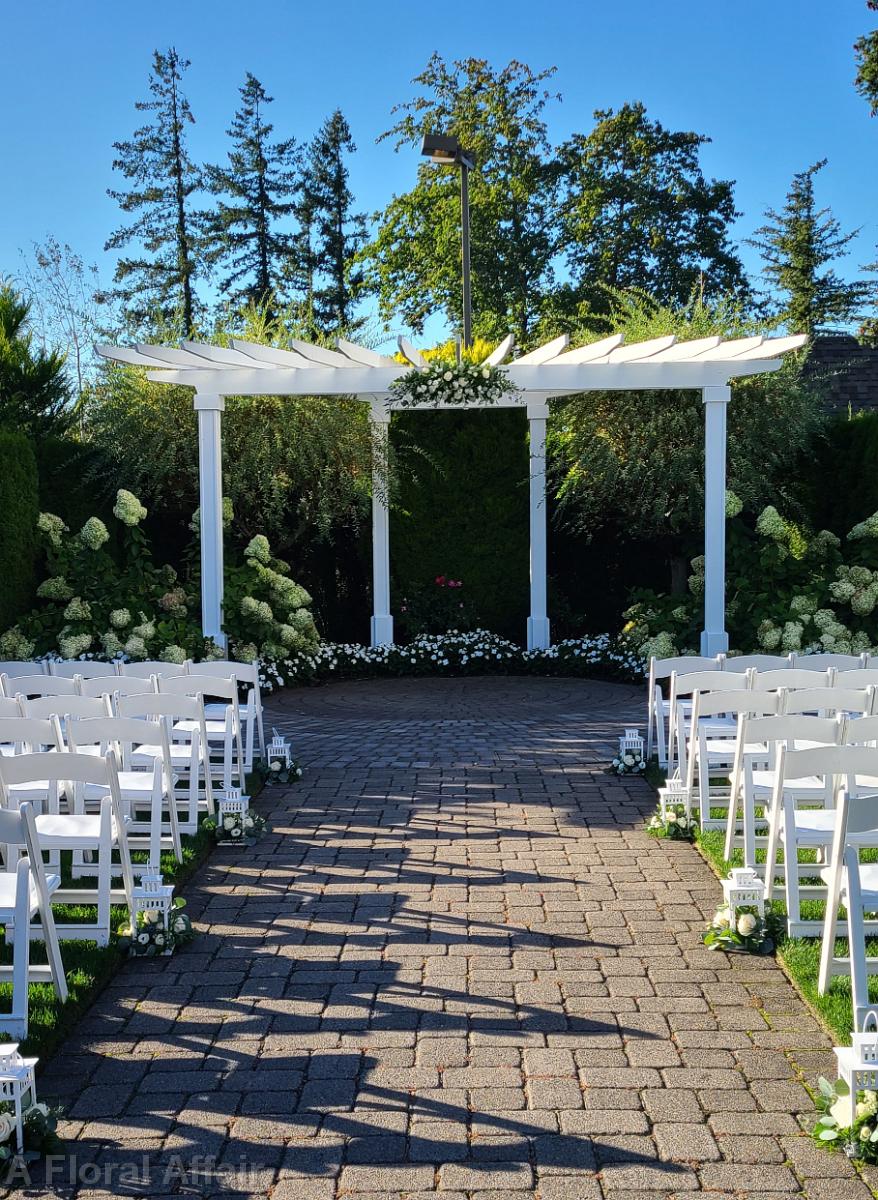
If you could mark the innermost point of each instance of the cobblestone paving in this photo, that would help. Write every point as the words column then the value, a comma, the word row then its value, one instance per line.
column 456, row 968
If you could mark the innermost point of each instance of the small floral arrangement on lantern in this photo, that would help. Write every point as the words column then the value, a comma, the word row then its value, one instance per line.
column 631, row 762
column 859, row 1140
column 750, row 933
column 451, row 383
column 677, row 823
column 38, row 1126
column 237, row 827
column 148, row 937
column 276, row 770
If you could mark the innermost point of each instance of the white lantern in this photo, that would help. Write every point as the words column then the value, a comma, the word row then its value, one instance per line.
column 631, row 742
column 858, row 1063
column 672, row 796
column 17, row 1086
column 235, row 806
column 744, row 889
column 154, row 897
column 279, row 750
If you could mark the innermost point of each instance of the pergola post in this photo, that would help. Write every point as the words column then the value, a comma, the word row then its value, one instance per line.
column 538, row 636
column 210, row 480
column 714, row 639
column 382, row 621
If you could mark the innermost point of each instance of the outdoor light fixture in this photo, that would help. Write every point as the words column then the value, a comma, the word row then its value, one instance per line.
column 445, row 150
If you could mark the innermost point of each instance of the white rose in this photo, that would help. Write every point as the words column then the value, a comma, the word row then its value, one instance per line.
column 143, row 938
column 236, row 832
column 863, row 1110
column 746, row 924
column 248, row 822
column 179, row 926
column 448, row 376
column 486, row 374
column 228, row 822
column 276, row 765
column 7, row 1126
column 840, row 1112
column 159, row 939
column 865, row 1133
column 683, row 820
column 721, row 920
column 151, row 917
column 629, row 760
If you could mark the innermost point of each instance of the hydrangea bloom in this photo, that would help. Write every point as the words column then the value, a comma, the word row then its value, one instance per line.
column 768, row 634
column 258, row 610
column 863, row 601
column 78, row 610
column 791, row 638
column 135, row 647
column 128, row 508
column 14, row 645
column 172, row 654
column 865, row 529
column 803, row 605
column 94, row 533
column 660, row 646
column 145, row 630
column 55, row 588
column 120, row 617
column 770, row 523
column 111, row 643
column 259, row 549
column 74, row 644
column 734, row 504
column 53, row 527
column 174, row 601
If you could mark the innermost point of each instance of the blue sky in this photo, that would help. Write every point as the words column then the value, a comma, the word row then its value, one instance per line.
column 770, row 82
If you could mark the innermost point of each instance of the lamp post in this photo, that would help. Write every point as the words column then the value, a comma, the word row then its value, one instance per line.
column 447, row 151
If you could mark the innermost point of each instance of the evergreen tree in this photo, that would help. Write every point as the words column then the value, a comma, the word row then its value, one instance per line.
column 334, row 235
column 866, row 50
column 260, row 181
column 162, row 278
column 35, row 396
column 414, row 262
column 798, row 246
column 637, row 212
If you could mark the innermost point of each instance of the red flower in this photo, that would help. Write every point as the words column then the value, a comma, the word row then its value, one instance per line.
column 440, row 581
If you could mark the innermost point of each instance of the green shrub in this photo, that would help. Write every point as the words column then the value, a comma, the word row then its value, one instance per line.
column 19, row 504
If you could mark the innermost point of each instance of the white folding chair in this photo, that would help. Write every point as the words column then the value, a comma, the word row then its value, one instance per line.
column 827, row 701
column 682, row 688
column 657, row 708
column 759, row 662
column 76, row 830
column 9, row 709
column 30, row 735
column 188, row 746
column 43, row 708
column 753, row 771
column 838, row 662
column 247, row 675
column 855, row 886
column 84, row 668
column 793, row 828
column 38, row 685
column 118, row 686
column 710, row 744
column 790, row 678
column 143, row 670
column 222, row 731
column 22, row 668
column 26, row 892
column 145, row 793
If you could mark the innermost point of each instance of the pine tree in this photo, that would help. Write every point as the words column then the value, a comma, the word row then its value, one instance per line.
column 636, row 211
column 162, row 279
column 336, row 233
column 866, row 51
column 261, row 181
column 798, row 246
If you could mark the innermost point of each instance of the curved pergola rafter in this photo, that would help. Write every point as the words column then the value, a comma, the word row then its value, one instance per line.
column 245, row 368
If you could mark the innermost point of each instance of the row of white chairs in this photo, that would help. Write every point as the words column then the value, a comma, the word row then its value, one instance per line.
column 89, row 678
column 659, row 706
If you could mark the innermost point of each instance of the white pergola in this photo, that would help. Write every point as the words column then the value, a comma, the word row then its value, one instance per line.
column 244, row 368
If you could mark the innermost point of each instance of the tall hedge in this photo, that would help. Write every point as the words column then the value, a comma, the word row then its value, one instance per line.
column 465, row 514
column 840, row 482
column 19, row 509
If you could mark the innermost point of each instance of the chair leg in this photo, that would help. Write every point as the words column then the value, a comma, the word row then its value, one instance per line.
column 856, row 943
column 791, row 863
column 771, row 852
column 830, row 922
column 21, row 948
column 105, row 873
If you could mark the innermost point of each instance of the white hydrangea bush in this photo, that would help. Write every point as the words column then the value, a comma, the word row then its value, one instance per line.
column 787, row 592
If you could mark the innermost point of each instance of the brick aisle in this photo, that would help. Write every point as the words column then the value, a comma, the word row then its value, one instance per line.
column 457, row 968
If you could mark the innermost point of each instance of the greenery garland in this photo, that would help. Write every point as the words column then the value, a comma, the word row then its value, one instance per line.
column 451, row 383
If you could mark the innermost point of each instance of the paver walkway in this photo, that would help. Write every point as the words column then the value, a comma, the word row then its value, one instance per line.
column 456, row 968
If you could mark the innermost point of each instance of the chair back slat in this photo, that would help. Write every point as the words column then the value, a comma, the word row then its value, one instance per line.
column 792, row 727
column 31, row 732
column 86, row 669
column 38, row 685
column 712, row 704
column 56, row 768
column 119, row 686
column 12, row 669
column 221, row 687
column 838, row 662
column 792, row 677
column 759, row 662
column 143, row 670
column 830, row 760
column 42, row 707
column 828, row 700
column 703, row 681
